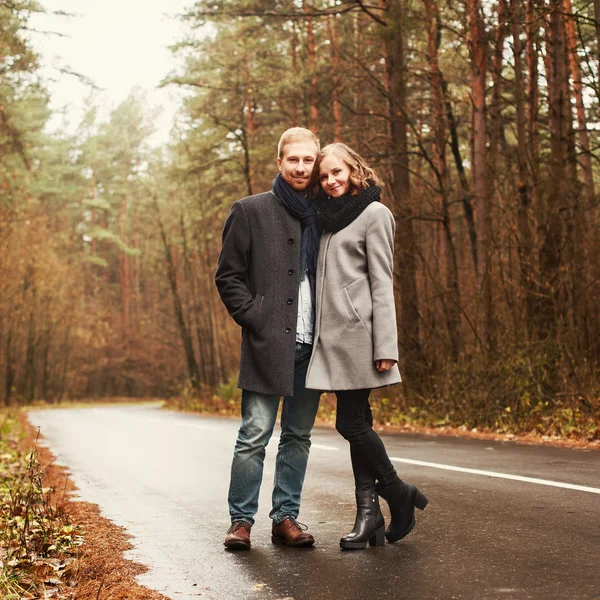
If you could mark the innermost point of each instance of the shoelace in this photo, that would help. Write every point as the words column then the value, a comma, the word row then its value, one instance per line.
column 235, row 526
column 300, row 526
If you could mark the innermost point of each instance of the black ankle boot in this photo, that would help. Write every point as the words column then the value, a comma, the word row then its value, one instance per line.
column 369, row 524
column 402, row 498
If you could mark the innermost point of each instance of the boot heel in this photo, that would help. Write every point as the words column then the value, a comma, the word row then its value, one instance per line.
column 420, row 500
column 378, row 538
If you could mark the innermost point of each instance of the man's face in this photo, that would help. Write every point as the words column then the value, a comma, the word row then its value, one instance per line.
column 297, row 163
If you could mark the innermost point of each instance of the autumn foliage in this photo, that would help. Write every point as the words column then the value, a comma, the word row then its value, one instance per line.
column 482, row 120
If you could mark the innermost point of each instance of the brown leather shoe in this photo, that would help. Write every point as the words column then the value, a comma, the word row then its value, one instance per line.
column 291, row 533
column 238, row 536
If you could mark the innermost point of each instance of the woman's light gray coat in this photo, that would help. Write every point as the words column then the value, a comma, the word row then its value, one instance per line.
column 355, row 314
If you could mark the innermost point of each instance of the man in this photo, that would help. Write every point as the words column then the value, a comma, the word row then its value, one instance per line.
column 265, row 276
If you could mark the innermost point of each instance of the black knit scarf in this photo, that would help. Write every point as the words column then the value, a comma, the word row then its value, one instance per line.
column 300, row 207
column 336, row 213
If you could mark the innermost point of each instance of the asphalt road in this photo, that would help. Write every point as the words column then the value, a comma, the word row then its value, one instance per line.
column 164, row 477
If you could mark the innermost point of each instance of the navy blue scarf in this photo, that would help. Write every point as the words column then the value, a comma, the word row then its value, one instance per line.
column 301, row 208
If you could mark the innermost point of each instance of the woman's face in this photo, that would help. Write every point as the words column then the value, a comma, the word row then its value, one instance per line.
column 334, row 176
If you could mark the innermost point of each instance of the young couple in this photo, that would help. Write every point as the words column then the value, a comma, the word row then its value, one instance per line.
column 306, row 271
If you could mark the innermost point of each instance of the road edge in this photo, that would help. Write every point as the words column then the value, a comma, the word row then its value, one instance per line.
column 102, row 571
column 528, row 439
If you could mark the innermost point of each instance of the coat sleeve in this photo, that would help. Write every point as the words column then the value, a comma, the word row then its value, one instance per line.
column 232, row 268
column 380, row 259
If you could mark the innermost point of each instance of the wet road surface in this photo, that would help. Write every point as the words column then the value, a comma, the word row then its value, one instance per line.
column 164, row 476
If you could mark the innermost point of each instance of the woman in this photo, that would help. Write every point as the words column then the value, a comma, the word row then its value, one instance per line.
column 355, row 343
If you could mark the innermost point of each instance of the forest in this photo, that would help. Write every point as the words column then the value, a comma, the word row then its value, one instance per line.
column 481, row 117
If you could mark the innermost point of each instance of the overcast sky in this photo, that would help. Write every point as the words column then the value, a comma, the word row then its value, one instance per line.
column 118, row 44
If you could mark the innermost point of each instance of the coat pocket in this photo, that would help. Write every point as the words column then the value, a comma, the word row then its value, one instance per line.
column 354, row 316
column 256, row 314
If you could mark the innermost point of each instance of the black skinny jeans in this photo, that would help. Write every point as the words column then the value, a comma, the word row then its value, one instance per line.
column 370, row 462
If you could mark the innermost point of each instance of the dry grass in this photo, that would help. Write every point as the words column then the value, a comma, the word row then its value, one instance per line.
column 389, row 418
column 38, row 543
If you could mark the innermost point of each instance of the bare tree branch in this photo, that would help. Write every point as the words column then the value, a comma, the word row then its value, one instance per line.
column 367, row 10
column 337, row 10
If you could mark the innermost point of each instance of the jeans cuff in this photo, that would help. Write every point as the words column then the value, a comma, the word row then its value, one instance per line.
column 243, row 519
column 280, row 518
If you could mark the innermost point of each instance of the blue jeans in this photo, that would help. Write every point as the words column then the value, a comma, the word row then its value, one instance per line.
column 259, row 413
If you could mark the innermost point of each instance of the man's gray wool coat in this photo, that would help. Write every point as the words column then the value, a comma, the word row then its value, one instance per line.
column 356, row 318
column 258, row 277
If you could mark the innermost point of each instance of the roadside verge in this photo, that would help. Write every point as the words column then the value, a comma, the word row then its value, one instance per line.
column 93, row 568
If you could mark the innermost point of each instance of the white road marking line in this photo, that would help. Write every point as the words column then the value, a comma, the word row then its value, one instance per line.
column 323, row 447
column 558, row 484
column 420, row 463
column 275, row 440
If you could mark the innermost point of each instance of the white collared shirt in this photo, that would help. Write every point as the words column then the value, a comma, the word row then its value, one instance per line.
column 306, row 318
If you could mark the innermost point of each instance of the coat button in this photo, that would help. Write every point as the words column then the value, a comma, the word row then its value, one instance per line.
column 290, row 271
column 288, row 330
column 291, row 241
column 290, row 301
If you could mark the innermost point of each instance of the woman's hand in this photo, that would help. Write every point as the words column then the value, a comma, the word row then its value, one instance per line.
column 385, row 364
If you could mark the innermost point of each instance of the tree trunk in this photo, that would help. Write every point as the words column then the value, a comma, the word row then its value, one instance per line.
column 552, row 228
column 597, row 25
column 581, row 202
column 462, row 176
column 29, row 371
column 335, row 69
column 452, row 303
column 124, row 268
column 136, row 261
column 216, row 371
column 9, row 371
column 524, row 187
column 45, row 394
column 477, row 46
column 358, row 90
column 293, row 97
column 406, row 247
column 251, row 127
column 196, row 312
column 248, row 169
column 65, row 364
column 585, row 159
column 314, row 79
column 532, row 49
column 192, row 365
column 496, row 103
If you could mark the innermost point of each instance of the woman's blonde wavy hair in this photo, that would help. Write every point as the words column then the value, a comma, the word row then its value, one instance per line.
column 361, row 174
